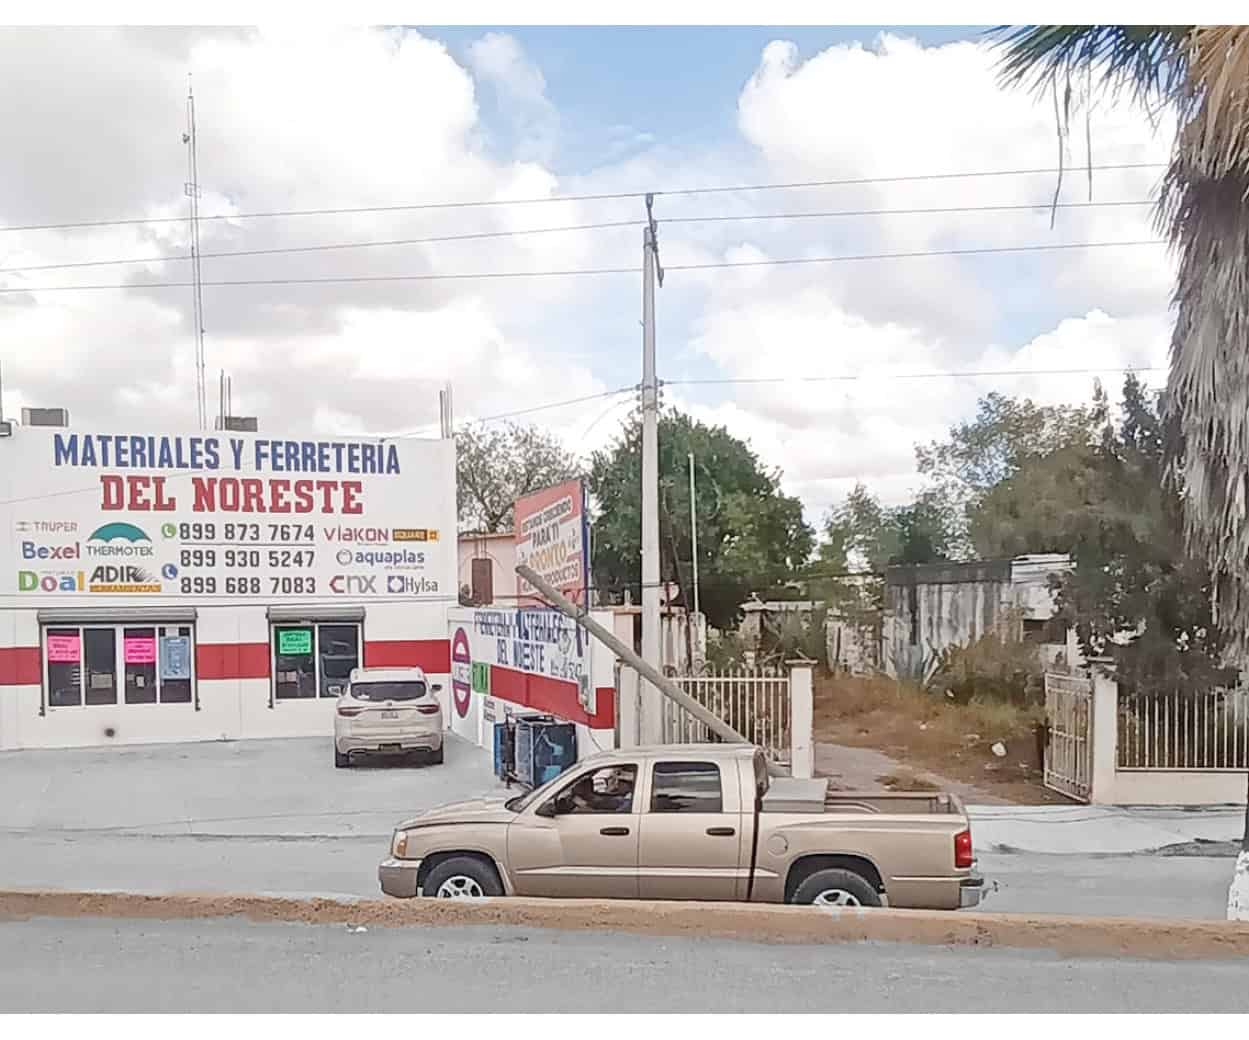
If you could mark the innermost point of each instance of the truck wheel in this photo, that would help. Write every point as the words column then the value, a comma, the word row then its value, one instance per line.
column 836, row 887
column 341, row 761
column 462, row 877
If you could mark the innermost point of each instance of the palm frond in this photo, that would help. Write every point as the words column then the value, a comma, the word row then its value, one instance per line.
column 1147, row 60
column 1215, row 139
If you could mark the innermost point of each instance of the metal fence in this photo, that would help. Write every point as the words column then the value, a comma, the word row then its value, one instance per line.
column 1069, row 749
column 754, row 702
column 1206, row 731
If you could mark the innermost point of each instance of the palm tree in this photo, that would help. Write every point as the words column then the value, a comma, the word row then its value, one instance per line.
column 1202, row 73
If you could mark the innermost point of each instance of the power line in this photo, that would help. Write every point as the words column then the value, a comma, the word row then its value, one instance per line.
column 578, row 272
column 994, row 374
column 609, row 224
column 594, row 197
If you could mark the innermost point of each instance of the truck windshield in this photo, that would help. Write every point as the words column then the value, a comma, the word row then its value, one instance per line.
column 388, row 691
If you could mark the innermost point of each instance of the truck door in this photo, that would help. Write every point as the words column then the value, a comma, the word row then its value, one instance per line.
column 582, row 842
column 691, row 831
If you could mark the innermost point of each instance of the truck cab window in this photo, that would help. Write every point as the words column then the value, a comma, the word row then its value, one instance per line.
column 605, row 790
column 686, row 787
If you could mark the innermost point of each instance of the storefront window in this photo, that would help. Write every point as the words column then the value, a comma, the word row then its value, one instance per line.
column 90, row 664
column 314, row 659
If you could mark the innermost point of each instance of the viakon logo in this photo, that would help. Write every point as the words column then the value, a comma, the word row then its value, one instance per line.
column 409, row 585
column 354, row 584
column 31, row 551
column 119, row 539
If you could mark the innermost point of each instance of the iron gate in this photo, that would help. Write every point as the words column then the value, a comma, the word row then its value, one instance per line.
column 1069, row 747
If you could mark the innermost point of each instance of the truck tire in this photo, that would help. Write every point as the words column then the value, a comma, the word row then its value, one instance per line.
column 462, row 877
column 836, row 887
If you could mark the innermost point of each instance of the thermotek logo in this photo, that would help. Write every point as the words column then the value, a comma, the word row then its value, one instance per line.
column 118, row 539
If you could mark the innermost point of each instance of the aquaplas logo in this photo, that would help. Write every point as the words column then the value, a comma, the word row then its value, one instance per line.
column 119, row 539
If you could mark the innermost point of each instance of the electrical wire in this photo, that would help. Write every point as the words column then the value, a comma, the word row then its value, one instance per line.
column 984, row 374
column 578, row 272
column 601, row 225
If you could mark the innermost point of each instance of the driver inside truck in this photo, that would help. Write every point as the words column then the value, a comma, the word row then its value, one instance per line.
column 607, row 790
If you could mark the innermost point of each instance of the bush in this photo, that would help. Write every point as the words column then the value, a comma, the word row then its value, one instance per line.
column 994, row 667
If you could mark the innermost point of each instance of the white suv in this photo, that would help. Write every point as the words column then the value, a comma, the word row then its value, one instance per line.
column 387, row 711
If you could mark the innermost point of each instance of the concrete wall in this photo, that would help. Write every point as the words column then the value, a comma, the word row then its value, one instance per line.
column 500, row 550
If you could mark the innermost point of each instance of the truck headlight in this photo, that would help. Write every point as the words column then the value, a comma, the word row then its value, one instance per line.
column 399, row 845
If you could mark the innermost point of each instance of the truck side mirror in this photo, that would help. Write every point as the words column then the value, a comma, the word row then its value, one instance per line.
column 547, row 809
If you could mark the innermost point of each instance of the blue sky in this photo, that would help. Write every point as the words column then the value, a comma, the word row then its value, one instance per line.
column 305, row 118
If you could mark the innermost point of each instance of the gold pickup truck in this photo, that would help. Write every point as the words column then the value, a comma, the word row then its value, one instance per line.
column 691, row 821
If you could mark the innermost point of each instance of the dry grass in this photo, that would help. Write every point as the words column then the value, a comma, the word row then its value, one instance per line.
column 928, row 732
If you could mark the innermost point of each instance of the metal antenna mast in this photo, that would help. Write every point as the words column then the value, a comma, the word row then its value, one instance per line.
column 191, row 188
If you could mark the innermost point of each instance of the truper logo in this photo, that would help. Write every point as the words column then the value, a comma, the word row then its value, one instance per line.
column 119, row 539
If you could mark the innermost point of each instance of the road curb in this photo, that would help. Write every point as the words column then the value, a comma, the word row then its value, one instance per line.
column 1151, row 938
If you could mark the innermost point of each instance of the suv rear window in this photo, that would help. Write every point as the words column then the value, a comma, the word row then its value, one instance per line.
column 388, row 691
column 689, row 787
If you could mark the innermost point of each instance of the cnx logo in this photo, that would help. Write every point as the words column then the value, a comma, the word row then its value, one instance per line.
column 31, row 551
column 353, row 584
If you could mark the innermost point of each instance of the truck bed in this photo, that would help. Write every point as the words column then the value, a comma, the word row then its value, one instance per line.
column 787, row 795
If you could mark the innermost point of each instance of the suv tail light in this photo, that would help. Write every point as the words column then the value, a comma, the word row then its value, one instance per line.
column 427, row 709
column 963, row 857
column 349, row 712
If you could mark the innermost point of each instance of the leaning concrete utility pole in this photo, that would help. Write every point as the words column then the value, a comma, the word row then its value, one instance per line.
column 661, row 682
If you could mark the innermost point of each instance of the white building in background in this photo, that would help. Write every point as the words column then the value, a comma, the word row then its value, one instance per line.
column 929, row 607
column 175, row 586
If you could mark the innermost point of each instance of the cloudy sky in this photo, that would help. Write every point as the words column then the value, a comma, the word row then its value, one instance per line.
column 350, row 120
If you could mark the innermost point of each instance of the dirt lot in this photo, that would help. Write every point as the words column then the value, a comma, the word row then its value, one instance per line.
column 930, row 741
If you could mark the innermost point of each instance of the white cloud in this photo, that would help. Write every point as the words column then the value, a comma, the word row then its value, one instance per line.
column 309, row 119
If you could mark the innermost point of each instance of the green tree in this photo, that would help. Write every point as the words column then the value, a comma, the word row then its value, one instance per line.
column 1201, row 72
column 861, row 533
column 1135, row 592
column 751, row 536
column 974, row 470
column 495, row 466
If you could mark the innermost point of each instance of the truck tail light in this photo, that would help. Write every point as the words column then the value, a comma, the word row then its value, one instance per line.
column 348, row 712
column 963, row 857
column 427, row 709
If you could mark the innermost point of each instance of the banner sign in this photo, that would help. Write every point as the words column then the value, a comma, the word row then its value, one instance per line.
column 553, row 537
column 88, row 516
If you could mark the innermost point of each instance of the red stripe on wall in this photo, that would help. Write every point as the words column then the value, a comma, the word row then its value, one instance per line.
column 232, row 660
column 20, row 666
column 542, row 693
column 433, row 655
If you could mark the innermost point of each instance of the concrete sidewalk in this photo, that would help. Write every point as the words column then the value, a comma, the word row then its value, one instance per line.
column 1100, row 829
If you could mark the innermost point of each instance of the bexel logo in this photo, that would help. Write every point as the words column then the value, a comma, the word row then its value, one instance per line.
column 118, row 578
column 31, row 551
column 405, row 584
column 119, row 539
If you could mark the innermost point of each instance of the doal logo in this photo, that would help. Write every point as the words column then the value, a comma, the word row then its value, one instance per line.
column 119, row 539
column 461, row 672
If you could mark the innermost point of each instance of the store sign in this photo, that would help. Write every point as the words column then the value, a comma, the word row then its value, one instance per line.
column 175, row 657
column 222, row 517
column 295, row 642
column 64, row 649
column 536, row 640
column 552, row 537
column 139, row 649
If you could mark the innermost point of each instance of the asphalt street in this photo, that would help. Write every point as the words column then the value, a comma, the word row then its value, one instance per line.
column 102, row 965
column 275, row 817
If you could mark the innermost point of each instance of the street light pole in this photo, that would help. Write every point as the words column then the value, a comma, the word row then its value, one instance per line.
column 694, row 532
column 651, row 722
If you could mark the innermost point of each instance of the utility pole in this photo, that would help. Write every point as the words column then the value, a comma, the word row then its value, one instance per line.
column 651, row 642
column 694, row 532
column 192, row 191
